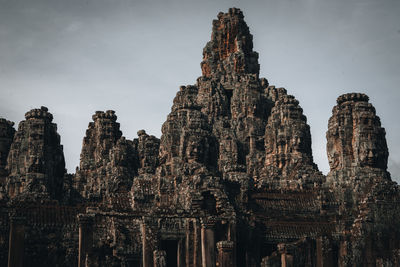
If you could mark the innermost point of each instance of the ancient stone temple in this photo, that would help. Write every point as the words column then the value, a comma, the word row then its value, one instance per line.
column 231, row 181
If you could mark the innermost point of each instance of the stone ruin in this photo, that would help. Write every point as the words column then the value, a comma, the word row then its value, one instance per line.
column 231, row 181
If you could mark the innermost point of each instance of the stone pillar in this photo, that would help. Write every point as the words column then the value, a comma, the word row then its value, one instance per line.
column 344, row 258
column 85, row 238
column 225, row 254
column 16, row 242
column 319, row 252
column 180, row 254
column 207, row 244
column 252, row 145
column 286, row 260
column 188, row 242
column 232, row 231
column 149, row 240
column 145, row 251
column 159, row 258
column 197, row 244
column 324, row 253
column 232, row 237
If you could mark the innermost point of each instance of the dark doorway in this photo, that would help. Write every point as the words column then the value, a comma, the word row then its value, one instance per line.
column 209, row 203
column 133, row 262
column 171, row 248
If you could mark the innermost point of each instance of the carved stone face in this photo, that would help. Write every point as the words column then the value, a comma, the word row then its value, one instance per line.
column 333, row 158
column 194, row 149
column 367, row 154
column 368, row 139
column 35, row 164
column 298, row 141
column 368, row 158
column 269, row 142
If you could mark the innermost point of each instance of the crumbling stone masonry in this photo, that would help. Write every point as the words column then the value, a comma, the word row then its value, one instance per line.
column 231, row 181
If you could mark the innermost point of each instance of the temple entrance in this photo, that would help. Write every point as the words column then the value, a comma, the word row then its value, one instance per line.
column 171, row 249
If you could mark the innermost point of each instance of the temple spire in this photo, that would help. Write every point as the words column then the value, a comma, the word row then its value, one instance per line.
column 230, row 50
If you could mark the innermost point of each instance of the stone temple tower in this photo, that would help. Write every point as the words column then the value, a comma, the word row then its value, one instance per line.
column 36, row 159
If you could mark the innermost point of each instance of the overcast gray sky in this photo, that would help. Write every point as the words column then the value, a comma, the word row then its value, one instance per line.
column 76, row 57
